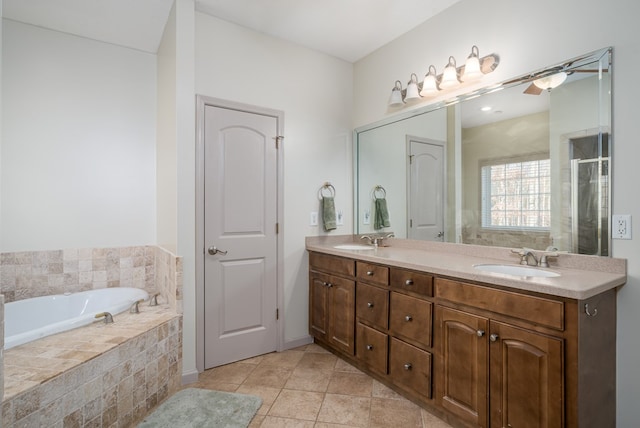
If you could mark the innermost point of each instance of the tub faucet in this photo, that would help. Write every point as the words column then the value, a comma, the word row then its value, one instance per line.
column 108, row 318
column 134, row 307
column 153, row 300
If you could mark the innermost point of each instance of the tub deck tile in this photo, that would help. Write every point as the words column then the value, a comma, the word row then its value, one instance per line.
column 34, row 363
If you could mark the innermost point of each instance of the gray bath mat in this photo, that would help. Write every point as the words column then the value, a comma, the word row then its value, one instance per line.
column 202, row 408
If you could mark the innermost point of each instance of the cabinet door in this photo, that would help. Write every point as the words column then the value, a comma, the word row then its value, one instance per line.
column 342, row 298
column 526, row 384
column 463, row 363
column 318, row 304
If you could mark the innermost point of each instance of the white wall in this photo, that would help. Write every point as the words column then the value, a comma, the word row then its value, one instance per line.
column 78, row 148
column 528, row 37
column 166, row 149
column 315, row 92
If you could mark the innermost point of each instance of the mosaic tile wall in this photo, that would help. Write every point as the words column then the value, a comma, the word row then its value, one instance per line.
column 41, row 273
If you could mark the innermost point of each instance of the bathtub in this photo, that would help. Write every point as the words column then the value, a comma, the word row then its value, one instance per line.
column 30, row 319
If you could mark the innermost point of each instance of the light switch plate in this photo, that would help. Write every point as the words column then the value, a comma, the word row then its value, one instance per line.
column 313, row 218
column 367, row 217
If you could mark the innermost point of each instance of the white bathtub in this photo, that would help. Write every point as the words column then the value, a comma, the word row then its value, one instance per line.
column 31, row 319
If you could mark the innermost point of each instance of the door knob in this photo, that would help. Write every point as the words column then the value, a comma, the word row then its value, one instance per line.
column 440, row 235
column 213, row 251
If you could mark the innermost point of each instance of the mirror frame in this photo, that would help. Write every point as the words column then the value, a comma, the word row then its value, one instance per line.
column 567, row 65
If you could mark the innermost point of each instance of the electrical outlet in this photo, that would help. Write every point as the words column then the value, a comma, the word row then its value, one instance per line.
column 313, row 218
column 339, row 218
column 621, row 225
column 366, row 219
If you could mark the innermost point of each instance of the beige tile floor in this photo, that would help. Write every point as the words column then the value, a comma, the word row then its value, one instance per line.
column 308, row 387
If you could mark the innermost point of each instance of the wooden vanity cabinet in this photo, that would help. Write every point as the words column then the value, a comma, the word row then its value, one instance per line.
column 332, row 301
column 476, row 354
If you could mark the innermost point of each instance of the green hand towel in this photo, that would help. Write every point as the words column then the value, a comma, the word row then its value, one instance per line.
column 382, row 214
column 328, row 213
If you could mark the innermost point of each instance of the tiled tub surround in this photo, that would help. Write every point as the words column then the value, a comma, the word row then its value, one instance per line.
column 41, row 273
column 102, row 375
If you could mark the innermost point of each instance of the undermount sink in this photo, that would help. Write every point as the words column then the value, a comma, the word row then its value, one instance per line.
column 516, row 270
column 353, row 247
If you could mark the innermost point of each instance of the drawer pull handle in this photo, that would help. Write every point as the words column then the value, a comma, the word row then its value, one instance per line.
column 370, row 273
column 408, row 366
column 480, row 333
column 493, row 337
column 408, row 282
column 369, row 347
column 370, row 305
column 408, row 318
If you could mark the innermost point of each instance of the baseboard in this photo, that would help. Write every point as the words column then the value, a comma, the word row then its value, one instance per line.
column 296, row 343
column 190, row 377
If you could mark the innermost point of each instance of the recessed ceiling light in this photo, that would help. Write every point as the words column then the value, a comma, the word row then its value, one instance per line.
column 485, row 108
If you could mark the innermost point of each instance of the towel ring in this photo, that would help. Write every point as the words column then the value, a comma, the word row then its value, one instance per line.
column 379, row 189
column 330, row 188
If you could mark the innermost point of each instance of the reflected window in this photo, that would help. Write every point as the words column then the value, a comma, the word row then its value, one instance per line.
column 516, row 194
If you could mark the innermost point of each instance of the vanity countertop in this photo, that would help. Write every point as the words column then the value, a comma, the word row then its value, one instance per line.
column 581, row 277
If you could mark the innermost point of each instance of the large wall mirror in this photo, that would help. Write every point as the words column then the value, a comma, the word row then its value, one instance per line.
column 521, row 164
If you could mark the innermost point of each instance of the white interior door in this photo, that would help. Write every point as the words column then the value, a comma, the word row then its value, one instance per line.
column 426, row 189
column 240, row 215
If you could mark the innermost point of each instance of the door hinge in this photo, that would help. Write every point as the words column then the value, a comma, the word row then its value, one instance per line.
column 277, row 228
column 411, row 223
column 278, row 139
column 410, row 159
column 277, row 314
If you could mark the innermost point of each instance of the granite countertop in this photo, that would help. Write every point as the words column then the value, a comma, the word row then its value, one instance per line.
column 581, row 277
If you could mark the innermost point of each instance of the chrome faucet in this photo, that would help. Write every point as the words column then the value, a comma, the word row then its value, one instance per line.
column 525, row 253
column 134, row 306
column 108, row 318
column 377, row 241
column 153, row 300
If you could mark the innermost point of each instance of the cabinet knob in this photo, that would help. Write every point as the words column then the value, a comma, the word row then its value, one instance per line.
column 493, row 337
column 480, row 333
column 370, row 273
column 369, row 347
column 408, row 318
column 328, row 284
column 408, row 366
column 370, row 305
column 408, row 282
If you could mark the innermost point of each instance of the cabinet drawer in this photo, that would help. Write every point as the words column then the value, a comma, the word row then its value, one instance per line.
column 408, row 280
column 372, row 305
column 375, row 274
column 332, row 264
column 372, row 348
column 410, row 367
column 410, row 318
column 537, row 310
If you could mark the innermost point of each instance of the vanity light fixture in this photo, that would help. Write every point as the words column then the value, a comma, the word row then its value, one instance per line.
column 472, row 66
column 452, row 76
column 413, row 93
column 396, row 95
column 430, row 83
column 551, row 82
